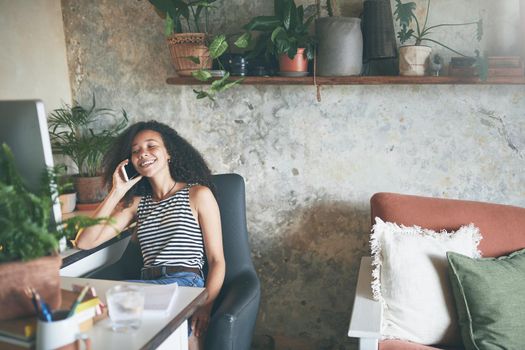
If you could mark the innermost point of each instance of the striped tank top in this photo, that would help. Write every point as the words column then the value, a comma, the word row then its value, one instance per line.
column 168, row 233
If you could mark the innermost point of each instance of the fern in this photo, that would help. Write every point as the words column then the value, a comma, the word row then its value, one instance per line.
column 25, row 230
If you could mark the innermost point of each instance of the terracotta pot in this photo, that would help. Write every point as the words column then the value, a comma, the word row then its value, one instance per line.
column 413, row 60
column 298, row 64
column 90, row 189
column 42, row 274
column 184, row 45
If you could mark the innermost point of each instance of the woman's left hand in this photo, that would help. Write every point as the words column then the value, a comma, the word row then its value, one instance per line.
column 200, row 320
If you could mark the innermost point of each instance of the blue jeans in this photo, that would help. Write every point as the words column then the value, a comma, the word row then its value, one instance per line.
column 186, row 279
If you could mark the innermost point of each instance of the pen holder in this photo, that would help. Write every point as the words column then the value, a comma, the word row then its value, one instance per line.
column 61, row 333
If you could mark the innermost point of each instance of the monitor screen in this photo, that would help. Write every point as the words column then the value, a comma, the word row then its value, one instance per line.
column 23, row 127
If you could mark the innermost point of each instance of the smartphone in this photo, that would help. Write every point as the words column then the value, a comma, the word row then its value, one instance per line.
column 129, row 171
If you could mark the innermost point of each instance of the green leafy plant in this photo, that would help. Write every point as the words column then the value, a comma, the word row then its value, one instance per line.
column 85, row 134
column 217, row 48
column 25, row 231
column 282, row 33
column 404, row 14
column 184, row 16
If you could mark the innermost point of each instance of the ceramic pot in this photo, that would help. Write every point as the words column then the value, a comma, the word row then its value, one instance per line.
column 68, row 201
column 41, row 274
column 340, row 51
column 298, row 64
column 414, row 60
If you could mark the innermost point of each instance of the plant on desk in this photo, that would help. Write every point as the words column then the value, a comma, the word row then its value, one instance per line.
column 413, row 59
column 28, row 241
column 84, row 134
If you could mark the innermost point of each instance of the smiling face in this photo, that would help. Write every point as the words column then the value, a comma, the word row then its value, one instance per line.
column 148, row 153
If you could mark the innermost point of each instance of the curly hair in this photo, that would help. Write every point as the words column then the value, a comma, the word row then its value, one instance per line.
column 187, row 164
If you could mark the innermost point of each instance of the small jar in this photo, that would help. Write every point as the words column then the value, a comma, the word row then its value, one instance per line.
column 238, row 65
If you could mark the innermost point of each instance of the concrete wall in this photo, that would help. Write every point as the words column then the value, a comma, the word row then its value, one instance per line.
column 311, row 167
column 33, row 61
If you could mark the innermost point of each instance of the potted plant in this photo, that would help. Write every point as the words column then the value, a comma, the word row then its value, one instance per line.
column 413, row 59
column 28, row 243
column 186, row 29
column 67, row 195
column 84, row 134
column 340, row 51
column 284, row 35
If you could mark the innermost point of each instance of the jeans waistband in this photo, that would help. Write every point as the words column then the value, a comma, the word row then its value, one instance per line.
column 154, row 272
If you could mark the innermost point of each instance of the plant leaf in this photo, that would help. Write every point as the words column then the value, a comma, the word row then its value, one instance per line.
column 278, row 34
column 404, row 12
column 244, row 40
column 201, row 74
column 286, row 16
column 262, row 23
column 193, row 59
column 404, row 34
column 218, row 46
column 203, row 94
column 169, row 25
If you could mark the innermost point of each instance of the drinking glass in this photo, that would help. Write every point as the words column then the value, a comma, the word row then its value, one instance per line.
column 125, row 306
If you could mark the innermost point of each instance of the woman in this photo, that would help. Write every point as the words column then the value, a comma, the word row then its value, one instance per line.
column 177, row 216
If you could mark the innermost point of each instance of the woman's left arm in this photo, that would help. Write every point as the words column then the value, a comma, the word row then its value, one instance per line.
column 207, row 210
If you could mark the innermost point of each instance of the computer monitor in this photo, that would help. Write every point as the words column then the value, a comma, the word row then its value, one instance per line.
column 23, row 127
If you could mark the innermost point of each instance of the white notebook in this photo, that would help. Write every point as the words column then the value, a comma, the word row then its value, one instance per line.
column 160, row 298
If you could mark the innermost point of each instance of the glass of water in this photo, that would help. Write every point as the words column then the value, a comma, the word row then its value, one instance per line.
column 125, row 306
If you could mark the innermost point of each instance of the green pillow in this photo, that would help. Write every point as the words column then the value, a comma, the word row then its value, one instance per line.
column 490, row 300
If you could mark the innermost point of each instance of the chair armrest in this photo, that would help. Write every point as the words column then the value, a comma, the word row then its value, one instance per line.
column 232, row 322
column 365, row 322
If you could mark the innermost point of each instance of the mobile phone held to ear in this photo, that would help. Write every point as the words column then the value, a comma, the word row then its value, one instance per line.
column 129, row 172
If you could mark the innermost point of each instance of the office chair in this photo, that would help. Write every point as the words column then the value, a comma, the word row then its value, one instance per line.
column 235, row 309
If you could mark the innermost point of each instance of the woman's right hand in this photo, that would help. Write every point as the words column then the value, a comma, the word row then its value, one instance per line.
column 120, row 185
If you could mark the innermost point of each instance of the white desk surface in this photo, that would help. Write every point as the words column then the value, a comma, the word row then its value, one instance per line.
column 154, row 329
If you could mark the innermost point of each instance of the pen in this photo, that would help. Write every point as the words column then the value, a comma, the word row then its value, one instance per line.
column 78, row 300
column 44, row 308
column 31, row 294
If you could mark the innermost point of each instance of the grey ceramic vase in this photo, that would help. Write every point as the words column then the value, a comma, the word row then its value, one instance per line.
column 340, row 49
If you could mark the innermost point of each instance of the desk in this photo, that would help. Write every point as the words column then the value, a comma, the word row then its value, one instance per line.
column 76, row 262
column 169, row 332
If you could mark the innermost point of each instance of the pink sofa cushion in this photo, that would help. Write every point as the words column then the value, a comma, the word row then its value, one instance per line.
column 502, row 226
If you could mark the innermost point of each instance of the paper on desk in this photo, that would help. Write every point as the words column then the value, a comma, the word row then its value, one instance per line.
column 159, row 299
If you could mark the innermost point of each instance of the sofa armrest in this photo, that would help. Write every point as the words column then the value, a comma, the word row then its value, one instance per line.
column 365, row 322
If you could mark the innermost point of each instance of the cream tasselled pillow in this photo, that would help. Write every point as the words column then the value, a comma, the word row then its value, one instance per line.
column 411, row 282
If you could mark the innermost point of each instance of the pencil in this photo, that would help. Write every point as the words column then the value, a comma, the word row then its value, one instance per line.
column 78, row 300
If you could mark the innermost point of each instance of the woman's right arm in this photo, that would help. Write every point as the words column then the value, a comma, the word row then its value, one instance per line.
column 93, row 236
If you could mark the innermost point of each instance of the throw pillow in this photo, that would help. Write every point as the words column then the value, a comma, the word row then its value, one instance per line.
column 489, row 297
column 410, row 279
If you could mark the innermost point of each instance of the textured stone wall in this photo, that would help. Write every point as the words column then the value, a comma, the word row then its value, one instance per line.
column 310, row 167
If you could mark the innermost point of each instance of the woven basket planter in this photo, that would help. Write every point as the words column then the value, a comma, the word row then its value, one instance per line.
column 184, row 45
column 42, row 274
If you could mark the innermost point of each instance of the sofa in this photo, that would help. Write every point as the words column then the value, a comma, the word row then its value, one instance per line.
column 502, row 228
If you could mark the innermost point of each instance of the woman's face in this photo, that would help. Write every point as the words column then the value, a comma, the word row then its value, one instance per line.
column 148, row 153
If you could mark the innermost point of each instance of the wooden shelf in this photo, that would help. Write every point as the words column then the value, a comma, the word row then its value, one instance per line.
column 361, row 80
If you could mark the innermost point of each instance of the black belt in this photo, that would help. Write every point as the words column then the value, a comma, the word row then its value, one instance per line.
column 154, row 272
